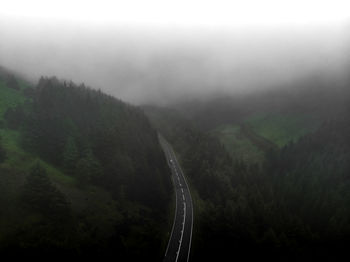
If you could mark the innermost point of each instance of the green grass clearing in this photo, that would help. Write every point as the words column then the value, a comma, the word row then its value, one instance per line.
column 282, row 128
column 239, row 146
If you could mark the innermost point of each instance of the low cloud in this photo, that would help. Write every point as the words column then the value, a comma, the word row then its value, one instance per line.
column 160, row 65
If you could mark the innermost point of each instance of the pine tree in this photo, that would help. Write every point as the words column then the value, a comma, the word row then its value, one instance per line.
column 87, row 168
column 2, row 153
column 40, row 195
column 70, row 156
column 12, row 82
column 83, row 171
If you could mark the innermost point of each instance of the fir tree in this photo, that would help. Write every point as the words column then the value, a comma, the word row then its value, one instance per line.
column 40, row 195
column 2, row 153
column 70, row 156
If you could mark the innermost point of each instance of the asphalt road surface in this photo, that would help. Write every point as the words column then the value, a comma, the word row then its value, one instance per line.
column 179, row 245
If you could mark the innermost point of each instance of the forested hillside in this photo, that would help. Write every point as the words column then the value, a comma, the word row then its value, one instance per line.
column 293, row 206
column 81, row 173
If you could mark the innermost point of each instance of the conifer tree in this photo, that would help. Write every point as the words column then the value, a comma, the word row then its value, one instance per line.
column 2, row 153
column 40, row 195
column 70, row 156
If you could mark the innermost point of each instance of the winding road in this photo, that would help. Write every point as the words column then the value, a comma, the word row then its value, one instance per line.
column 179, row 245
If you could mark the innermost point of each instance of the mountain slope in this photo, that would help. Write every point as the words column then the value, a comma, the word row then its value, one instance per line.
column 95, row 157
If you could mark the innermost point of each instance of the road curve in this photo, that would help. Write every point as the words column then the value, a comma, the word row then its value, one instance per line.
column 179, row 245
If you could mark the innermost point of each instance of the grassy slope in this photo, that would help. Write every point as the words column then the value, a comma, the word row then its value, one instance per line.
column 238, row 145
column 282, row 128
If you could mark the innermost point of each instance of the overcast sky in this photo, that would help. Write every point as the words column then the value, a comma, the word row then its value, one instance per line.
column 158, row 50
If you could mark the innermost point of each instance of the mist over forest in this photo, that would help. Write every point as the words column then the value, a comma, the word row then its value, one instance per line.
column 161, row 65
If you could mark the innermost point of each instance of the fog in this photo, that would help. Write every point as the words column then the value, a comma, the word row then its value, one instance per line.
column 161, row 64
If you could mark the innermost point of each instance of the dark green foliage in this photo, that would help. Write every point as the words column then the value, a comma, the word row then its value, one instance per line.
column 2, row 153
column 45, row 224
column 70, row 156
column 12, row 82
column 29, row 92
column 87, row 168
column 40, row 195
column 14, row 117
column 82, row 172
